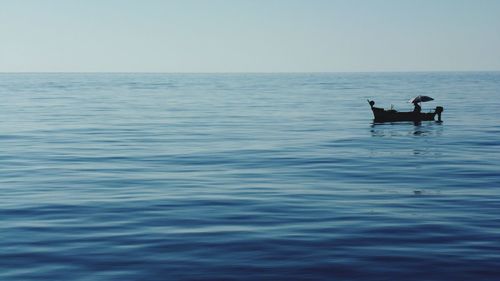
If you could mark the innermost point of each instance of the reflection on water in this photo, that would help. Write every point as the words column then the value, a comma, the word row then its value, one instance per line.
column 398, row 129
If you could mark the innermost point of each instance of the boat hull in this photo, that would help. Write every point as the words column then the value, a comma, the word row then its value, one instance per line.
column 382, row 115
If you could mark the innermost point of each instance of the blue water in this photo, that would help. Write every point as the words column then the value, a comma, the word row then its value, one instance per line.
column 247, row 177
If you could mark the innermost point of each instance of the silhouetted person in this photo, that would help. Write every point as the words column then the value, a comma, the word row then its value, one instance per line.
column 417, row 108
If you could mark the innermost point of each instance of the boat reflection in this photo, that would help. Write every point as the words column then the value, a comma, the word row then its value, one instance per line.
column 402, row 129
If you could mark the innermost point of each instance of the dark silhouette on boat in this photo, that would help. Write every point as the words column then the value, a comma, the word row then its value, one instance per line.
column 381, row 115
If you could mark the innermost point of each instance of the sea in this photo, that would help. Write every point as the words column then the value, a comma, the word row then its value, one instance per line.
column 248, row 176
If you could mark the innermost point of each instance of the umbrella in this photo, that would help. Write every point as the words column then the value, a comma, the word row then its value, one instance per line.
column 420, row 98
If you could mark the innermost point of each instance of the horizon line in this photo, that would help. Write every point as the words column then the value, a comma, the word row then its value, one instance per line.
column 244, row 72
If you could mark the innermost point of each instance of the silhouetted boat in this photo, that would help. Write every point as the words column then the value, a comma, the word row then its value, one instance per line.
column 391, row 115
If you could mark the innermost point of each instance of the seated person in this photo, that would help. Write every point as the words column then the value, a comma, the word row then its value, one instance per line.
column 417, row 108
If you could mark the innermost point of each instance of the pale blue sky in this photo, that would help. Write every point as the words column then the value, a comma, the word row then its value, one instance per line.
column 249, row 35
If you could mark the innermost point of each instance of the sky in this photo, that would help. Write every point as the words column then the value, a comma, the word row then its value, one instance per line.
column 249, row 35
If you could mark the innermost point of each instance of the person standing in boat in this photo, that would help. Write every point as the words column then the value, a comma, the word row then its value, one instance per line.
column 417, row 108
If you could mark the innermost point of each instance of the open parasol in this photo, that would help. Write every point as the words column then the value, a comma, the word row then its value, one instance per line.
column 420, row 98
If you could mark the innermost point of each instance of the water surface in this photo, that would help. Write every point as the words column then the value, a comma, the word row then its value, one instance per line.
column 247, row 177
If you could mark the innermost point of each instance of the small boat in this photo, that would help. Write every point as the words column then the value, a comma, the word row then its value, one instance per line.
column 381, row 115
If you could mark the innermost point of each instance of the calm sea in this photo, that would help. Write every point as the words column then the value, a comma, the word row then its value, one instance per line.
column 248, row 177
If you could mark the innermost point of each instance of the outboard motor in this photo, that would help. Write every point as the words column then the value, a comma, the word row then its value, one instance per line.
column 439, row 110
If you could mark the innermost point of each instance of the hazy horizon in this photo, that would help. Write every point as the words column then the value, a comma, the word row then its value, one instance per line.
column 248, row 72
column 241, row 36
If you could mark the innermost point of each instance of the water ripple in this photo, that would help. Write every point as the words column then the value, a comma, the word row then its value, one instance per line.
column 247, row 177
